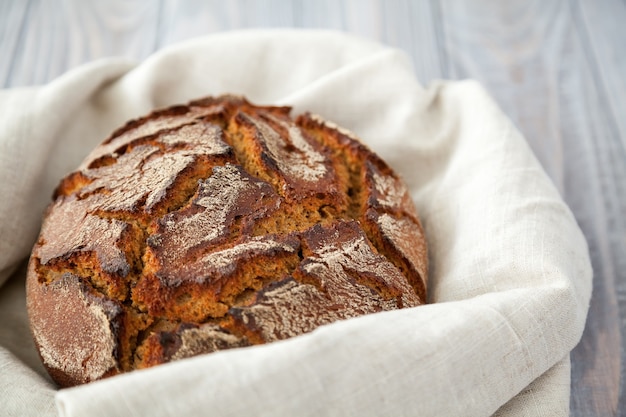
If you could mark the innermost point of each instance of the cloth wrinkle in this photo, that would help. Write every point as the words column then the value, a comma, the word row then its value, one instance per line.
column 510, row 277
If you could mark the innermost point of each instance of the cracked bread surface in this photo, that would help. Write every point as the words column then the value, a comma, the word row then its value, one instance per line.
column 215, row 225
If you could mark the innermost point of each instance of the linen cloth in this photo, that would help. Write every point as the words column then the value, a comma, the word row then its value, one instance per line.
column 510, row 276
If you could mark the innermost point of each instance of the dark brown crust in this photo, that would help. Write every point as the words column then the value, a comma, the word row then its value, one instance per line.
column 90, row 345
column 217, row 225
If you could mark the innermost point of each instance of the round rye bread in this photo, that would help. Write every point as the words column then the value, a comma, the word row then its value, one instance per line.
column 215, row 225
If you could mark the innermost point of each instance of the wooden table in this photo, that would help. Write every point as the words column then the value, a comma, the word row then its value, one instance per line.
column 557, row 68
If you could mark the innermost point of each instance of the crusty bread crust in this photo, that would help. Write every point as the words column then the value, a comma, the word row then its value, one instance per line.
column 216, row 225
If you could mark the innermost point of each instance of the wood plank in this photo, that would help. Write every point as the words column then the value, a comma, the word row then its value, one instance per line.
column 591, row 167
column 530, row 57
column 603, row 23
column 59, row 36
column 603, row 26
column 55, row 39
column 413, row 27
column 402, row 24
column 12, row 23
column 603, row 32
column 514, row 51
column 183, row 20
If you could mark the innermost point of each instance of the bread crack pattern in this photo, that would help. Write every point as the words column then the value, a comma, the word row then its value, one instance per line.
column 215, row 225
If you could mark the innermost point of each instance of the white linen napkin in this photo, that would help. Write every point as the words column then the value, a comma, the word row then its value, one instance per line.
column 510, row 275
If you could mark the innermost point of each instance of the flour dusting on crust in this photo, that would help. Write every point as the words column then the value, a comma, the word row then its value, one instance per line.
column 86, row 351
column 205, row 339
column 408, row 238
column 228, row 193
column 217, row 225
column 333, row 126
column 74, row 230
column 205, row 138
column 293, row 155
column 140, row 174
column 342, row 271
column 224, row 261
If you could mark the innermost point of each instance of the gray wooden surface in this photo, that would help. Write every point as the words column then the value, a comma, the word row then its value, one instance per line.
column 557, row 68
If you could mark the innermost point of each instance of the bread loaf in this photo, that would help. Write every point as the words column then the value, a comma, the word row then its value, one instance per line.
column 216, row 225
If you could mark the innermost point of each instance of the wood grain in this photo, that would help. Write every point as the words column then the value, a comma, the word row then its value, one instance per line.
column 365, row 18
column 603, row 26
column 45, row 40
column 556, row 68
column 13, row 16
column 534, row 58
column 56, row 36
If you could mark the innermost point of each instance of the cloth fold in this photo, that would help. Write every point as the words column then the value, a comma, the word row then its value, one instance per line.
column 510, row 275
